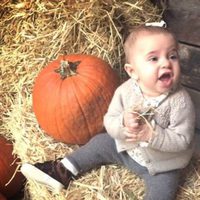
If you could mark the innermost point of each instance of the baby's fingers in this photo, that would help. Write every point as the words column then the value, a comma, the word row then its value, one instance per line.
column 130, row 136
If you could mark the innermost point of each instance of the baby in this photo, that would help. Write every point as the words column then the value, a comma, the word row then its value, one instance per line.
column 149, row 123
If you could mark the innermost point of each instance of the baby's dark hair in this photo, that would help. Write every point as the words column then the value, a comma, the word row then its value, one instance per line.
column 134, row 32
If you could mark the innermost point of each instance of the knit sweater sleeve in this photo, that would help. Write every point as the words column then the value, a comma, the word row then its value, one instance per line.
column 113, row 119
column 178, row 135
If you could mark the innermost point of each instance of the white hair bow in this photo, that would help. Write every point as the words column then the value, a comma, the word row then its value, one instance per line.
column 159, row 24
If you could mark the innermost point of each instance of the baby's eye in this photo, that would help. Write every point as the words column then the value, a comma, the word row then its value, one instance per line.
column 153, row 59
column 173, row 57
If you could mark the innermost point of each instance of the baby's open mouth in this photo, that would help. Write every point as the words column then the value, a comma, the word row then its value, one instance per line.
column 165, row 77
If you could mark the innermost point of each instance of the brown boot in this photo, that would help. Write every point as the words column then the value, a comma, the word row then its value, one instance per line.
column 50, row 173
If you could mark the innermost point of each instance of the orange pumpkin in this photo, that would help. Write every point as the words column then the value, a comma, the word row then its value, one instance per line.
column 8, row 167
column 71, row 96
column 2, row 197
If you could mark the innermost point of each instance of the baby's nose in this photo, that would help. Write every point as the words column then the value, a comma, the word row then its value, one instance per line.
column 165, row 63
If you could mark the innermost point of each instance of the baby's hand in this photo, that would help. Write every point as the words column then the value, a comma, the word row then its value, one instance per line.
column 134, row 130
column 131, row 121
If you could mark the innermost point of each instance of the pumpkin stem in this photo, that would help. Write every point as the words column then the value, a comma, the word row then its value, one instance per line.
column 67, row 68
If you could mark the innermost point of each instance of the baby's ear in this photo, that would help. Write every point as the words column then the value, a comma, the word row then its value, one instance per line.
column 131, row 71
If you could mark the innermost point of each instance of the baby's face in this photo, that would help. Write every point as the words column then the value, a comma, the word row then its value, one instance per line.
column 155, row 63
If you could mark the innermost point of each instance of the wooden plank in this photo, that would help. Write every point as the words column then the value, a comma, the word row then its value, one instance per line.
column 190, row 66
column 183, row 4
column 185, row 25
column 195, row 95
column 197, row 145
column 183, row 17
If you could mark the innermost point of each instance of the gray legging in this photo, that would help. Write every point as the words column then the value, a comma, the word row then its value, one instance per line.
column 101, row 150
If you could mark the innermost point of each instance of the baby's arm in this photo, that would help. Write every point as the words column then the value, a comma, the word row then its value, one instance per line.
column 136, row 129
column 124, row 125
column 113, row 119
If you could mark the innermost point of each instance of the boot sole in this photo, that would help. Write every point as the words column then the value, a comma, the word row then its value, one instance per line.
column 33, row 173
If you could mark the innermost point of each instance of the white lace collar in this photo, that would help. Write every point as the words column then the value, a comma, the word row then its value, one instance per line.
column 150, row 101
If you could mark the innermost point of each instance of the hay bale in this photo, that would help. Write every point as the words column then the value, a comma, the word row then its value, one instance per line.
column 36, row 32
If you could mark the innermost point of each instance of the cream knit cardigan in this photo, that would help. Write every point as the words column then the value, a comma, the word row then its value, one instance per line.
column 172, row 144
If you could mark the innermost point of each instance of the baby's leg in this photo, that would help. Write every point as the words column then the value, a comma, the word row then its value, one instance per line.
column 162, row 186
column 57, row 174
column 100, row 150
